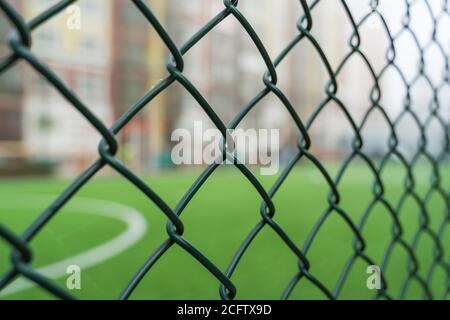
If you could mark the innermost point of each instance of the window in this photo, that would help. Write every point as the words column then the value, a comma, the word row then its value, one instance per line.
column 10, row 123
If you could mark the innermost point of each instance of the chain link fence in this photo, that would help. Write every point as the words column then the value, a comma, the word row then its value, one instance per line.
column 20, row 43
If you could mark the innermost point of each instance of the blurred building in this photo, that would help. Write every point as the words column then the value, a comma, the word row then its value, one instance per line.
column 53, row 131
column 105, row 62
column 225, row 65
column 116, row 57
column 11, row 110
column 130, row 75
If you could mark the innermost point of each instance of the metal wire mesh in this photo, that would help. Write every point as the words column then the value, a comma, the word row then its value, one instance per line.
column 20, row 45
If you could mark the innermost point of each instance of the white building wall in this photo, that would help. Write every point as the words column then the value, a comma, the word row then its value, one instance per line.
column 53, row 129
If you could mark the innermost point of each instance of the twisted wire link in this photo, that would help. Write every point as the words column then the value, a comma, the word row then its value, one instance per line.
column 20, row 45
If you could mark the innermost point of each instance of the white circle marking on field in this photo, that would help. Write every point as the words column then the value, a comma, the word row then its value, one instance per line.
column 136, row 227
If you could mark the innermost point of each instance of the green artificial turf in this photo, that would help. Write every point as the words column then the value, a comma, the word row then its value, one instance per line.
column 216, row 222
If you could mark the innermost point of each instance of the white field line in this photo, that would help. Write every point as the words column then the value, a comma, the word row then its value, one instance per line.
column 136, row 227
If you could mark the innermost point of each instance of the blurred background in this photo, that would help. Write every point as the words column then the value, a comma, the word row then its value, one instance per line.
column 116, row 57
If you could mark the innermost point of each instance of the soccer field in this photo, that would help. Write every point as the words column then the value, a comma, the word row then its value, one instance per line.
column 112, row 228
